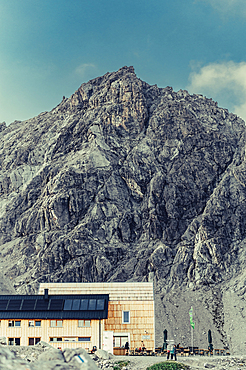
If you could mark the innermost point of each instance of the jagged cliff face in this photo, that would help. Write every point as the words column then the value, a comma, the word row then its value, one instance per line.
column 124, row 181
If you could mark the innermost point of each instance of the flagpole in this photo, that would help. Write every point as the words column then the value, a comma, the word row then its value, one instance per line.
column 192, row 339
column 192, row 328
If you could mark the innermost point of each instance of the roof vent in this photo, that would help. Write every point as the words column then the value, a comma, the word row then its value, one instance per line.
column 46, row 294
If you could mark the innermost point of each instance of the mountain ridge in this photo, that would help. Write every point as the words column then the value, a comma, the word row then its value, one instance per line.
column 125, row 181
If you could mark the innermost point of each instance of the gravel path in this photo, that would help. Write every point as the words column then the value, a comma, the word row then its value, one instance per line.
column 140, row 362
column 196, row 362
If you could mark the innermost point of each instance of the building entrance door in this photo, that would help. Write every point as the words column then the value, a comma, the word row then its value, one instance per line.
column 119, row 342
column 108, row 341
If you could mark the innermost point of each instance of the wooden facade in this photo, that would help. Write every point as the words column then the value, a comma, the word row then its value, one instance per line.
column 65, row 336
column 123, row 312
column 141, row 324
column 135, row 298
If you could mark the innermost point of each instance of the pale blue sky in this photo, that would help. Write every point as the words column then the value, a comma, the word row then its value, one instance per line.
column 48, row 48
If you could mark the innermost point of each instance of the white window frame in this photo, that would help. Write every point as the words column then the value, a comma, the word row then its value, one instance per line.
column 123, row 322
column 56, row 322
column 124, row 335
column 14, row 324
column 69, row 339
column 85, row 323
column 33, row 323
column 34, row 341
column 14, row 341
column 54, row 339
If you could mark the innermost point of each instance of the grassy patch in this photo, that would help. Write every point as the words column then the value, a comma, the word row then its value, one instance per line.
column 118, row 365
column 168, row 365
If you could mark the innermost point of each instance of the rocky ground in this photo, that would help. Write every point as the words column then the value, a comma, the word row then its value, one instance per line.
column 44, row 357
column 124, row 181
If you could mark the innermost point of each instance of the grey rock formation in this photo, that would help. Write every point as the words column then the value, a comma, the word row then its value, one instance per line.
column 51, row 355
column 3, row 340
column 27, row 357
column 100, row 353
column 124, row 181
column 8, row 360
column 45, row 358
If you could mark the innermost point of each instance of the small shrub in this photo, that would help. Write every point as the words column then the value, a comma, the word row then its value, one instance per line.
column 168, row 365
column 118, row 365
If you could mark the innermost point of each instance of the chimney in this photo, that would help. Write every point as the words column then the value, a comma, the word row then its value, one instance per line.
column 46, row 294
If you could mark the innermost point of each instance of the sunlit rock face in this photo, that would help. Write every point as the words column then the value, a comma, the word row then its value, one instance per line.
column 124, row 181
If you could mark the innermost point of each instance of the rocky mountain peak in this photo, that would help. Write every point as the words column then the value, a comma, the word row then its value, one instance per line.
column 2, row 126
column 124, row 181
column 117, row 99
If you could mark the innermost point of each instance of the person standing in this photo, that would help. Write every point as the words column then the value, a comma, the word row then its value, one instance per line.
column 126, row 348
column 174, row 353
column 168, row 350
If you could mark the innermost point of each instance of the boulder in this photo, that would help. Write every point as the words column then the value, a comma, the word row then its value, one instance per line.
column 100, row 353
column 9, row 361
column 79, row 358
column 52, row 354
column 3, row 341
column 51, row 365
column 43, row 344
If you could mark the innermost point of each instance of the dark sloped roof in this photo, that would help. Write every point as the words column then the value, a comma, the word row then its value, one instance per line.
column 75, row 306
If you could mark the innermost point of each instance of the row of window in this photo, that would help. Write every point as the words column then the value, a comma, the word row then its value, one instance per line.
column 70, row 339
column 33, row 341
column 59, row 323
column 53, row 323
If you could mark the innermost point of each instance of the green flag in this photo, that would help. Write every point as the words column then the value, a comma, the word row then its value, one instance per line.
column 191, row 318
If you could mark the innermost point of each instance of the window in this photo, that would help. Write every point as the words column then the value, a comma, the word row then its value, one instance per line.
column 100, row 304
column 56, row 323
column 83, row 304
column 15, row 323
column 76, row 304
column 68, row 304
column 14, row 341
column 84, row 323
column 119, row 340
column 33, row 323
column 70, row 339
column 84, row 339
column 92, row 304
column 125, row 317
column 33, row 341
column 55, row 339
